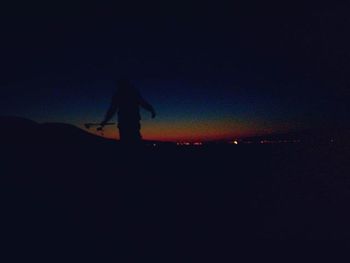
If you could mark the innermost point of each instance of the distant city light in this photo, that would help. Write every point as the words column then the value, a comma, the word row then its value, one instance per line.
column 183, row 143
column 242, row 141
column 278, row 141
column 189, row 143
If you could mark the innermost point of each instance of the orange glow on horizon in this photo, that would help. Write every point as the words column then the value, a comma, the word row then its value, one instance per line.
column 199, row 131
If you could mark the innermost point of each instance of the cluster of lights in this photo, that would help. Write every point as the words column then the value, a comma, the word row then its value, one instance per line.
column 189, row 143
column 264, row 141
column 236, row 142
column 279, row 141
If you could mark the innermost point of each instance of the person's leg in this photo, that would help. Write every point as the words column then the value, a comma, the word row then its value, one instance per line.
column 137, row 135
column 130, row 133
column 121, row 133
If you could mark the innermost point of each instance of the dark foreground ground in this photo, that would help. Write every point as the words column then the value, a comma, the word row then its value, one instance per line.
column 99, row 201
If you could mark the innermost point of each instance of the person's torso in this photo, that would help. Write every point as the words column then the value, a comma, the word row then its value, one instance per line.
column 128, row 107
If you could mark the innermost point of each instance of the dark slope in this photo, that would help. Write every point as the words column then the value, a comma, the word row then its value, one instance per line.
column 19, row 130
column 63, row 132
column 99, row 200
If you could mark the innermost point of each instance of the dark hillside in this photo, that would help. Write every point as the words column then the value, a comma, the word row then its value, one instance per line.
column 71, row 190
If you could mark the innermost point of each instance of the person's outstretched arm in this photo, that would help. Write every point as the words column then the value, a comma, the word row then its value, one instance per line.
column 111, row 111
column 144, row 104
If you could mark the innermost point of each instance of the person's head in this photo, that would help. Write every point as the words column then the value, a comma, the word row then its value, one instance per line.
column 123, row 83
column 125, row 87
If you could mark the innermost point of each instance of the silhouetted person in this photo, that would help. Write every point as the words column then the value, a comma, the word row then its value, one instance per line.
column 126, row 101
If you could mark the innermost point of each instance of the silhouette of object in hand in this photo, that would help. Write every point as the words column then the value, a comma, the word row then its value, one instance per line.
column 126, row 101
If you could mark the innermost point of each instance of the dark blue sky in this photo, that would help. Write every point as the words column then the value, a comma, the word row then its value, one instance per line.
column 210, row 70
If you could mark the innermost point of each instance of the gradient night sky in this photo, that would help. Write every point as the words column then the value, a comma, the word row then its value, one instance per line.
column 211, row 71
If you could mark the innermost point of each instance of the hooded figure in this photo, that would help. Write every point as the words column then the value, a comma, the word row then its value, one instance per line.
column 127, row 101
